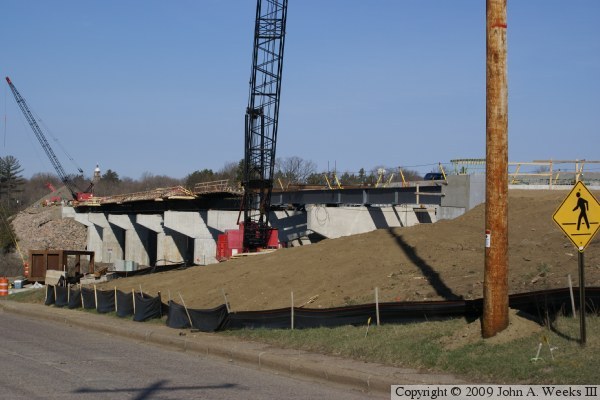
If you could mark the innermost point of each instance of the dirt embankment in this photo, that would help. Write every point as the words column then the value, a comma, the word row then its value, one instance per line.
column 425, row 262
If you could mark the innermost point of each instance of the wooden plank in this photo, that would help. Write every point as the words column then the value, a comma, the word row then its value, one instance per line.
column 53, row 276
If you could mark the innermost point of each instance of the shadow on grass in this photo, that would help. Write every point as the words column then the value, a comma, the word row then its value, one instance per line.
column 563, row 335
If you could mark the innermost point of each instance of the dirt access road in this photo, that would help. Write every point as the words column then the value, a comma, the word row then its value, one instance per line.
column 437, row 261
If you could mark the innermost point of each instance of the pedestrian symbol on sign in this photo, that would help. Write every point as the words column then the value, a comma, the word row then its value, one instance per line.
column 579, row 216
column 582, row 204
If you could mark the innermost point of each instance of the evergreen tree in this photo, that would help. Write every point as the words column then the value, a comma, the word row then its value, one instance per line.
column 7, row 234
column 110, row 176
column 11, row 182
column 206, row 175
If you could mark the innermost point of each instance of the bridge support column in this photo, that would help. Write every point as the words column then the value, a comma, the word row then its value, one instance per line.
column 94, row 235
column 292, row 226
column 104, row 239
column 136, row 238
column 171, row 247
column 193, row 226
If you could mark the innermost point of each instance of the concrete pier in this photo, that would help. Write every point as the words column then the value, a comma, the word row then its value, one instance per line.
column 137, row 238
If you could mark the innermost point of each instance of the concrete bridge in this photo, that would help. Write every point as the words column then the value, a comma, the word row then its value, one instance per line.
column 175, row 229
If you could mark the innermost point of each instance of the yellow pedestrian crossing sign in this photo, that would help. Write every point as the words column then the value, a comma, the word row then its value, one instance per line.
column 579, row 216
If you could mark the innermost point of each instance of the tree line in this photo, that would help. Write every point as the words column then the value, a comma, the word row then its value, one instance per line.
column 17, row 192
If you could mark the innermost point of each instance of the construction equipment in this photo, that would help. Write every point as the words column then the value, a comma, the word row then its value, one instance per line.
column 53, row 199
column 77, row 194
column 262, row 116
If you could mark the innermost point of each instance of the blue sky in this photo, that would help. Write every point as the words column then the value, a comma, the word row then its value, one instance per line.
column 161, row 87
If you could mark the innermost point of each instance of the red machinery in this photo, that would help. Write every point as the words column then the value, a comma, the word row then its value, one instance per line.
column 231, row 242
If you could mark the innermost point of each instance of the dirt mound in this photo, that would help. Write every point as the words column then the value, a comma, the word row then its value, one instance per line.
column 425, row 262
column 520, row 326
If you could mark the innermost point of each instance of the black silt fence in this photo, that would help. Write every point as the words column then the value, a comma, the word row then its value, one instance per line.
column 50, row 298
column 61, row 296
column 124, row 305
column 146, row 307
column 210, row 320
column 274, row 319
column 105, row 301
column 544, row 305
column 350, row 315
column 331, row 317
column 549, row 303
column 88, row 299
column 75, row 298
column 403, row 312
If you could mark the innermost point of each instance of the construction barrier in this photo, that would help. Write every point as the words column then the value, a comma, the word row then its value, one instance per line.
column 124, row 304
column 3, row 287
column 88, row 298
column 61, row 296
column 179, row 317
column 50, row 295
column 146, row 307
column 105, row 301
column 545, row 305
column 74, row 298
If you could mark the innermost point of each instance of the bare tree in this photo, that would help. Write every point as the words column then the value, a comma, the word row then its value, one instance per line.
column 149, row 181
column 232, row 171
column 294, row 169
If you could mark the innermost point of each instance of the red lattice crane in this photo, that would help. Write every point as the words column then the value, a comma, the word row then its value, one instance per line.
column 77, row 194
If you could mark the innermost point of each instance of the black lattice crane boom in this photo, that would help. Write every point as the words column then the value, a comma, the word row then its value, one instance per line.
column 262, row 117
column 75, row 192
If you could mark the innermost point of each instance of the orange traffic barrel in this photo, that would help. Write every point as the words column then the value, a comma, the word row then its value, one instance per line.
column 26, row 270
column 3, row 287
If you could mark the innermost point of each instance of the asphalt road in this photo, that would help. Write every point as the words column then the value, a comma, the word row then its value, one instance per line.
column 45, row 360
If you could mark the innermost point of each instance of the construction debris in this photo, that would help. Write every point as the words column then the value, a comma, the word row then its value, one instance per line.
column 221, row 186
column 160, row 194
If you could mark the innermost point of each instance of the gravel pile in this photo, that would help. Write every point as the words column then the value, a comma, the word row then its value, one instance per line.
column 42, row 228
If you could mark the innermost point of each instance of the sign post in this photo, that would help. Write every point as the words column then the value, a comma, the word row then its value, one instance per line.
column 581, row 299
column 579, row 218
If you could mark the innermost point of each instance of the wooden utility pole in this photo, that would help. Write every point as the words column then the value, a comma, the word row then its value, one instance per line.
column 495, row 285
